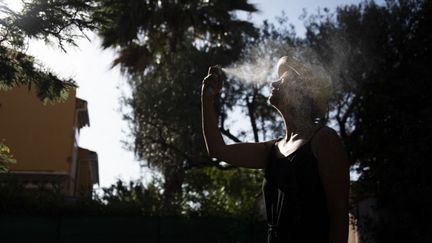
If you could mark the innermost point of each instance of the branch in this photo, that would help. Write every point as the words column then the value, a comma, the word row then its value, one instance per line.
column 251, row 112
column 350, row 108
column 227, row 133
column 4, row 38
column 167, row 145
column 342, row 118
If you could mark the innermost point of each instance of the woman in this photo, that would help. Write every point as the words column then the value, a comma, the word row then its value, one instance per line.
column 306, row 172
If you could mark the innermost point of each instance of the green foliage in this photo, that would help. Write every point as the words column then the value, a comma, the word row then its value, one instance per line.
column 20, row 69
column 5, row 157
column 44, row 20
column 132, row 197
column 215, row 192
column 63, row 21
column 118, row 199
column 15, row 198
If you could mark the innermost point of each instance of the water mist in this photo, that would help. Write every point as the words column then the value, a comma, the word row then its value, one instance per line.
column 257, row 67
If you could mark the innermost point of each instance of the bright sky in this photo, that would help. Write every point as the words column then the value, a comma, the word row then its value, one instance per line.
column 102, row 87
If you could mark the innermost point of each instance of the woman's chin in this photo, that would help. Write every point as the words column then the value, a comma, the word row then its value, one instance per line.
column 272, row 100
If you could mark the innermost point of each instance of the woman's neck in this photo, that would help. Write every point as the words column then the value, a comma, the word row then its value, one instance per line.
column 298, row 127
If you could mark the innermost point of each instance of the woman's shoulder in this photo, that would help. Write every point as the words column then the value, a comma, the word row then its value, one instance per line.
column 324, row 136
column 325, row 132
column 270, row 144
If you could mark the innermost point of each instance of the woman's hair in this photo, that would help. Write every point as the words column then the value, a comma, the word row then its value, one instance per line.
column 314, row 83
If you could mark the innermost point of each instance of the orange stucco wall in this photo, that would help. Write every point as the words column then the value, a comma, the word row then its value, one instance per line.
column 40, row 136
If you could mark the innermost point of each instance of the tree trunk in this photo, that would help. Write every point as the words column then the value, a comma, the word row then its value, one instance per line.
column 173, row 177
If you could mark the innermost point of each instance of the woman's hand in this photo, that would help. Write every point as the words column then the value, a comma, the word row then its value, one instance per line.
column 212, row 83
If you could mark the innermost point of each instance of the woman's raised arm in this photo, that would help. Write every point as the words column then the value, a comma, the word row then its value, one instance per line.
column 249, row 155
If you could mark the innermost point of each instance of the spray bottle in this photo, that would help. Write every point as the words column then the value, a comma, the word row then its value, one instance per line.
column 217, row 71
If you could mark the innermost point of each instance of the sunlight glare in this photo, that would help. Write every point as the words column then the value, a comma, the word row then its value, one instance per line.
column 12, row 4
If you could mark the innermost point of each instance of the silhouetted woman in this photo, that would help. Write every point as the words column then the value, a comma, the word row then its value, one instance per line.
column 306, row 178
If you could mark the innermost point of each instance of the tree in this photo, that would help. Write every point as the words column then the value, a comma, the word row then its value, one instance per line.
column 165, row 49
column 45, row 20
column 384, row 118
column 146, row 33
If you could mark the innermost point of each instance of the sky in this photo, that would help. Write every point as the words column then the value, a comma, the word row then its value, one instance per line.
column 103, row 87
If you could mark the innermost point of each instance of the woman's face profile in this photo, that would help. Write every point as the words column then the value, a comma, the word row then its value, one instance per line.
column 285, row 91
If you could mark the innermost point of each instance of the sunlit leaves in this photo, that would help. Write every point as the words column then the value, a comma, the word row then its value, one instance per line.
column 6, row 158
column 53, row 20
column 18, row 69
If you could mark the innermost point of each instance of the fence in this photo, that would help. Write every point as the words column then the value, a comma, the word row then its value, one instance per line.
column 129, row 230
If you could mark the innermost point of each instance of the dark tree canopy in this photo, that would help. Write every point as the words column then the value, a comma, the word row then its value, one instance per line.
column 146, row 33
column 384, row 118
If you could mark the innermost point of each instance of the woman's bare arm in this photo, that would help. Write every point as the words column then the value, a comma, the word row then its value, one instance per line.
column 334, row 171
column 249, row 155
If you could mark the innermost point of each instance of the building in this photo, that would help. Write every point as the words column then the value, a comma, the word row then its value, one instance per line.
column 43, row 138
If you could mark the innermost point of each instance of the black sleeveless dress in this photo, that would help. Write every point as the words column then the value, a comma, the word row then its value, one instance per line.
column 294, row 198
